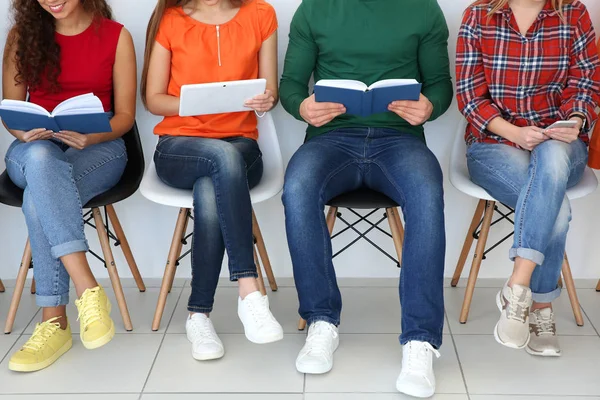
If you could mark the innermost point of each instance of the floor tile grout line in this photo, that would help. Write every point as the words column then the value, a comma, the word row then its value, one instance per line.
column 589, row 319
column 161, row 343
column 462, row 372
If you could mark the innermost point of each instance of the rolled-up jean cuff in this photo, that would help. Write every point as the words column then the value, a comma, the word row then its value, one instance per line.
column 199, row 310
column 69, row 248
column 244, row 274
column 52, row 301
column 528, row 254
column 546, row 297
column 332, row 321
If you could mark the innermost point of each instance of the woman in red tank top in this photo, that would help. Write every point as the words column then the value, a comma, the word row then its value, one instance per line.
column 58, row 49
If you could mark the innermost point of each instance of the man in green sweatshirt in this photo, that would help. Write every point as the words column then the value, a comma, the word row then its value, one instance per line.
column 368, row 40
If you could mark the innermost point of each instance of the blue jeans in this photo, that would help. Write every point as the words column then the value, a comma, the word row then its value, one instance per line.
column 534, row 184
column 402, row 167
column 221, row 173
column 58, row 181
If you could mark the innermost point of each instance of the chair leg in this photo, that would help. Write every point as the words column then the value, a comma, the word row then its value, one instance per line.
column 598, row 286
column 262, row 251
column 480, row 249
column 125, row 247
column 2, row 288
column 468, row 243
column 171, row 266
column 112, row 269
column 20, row 284
column 33, row 286
column 397, row 236
column 331, row 217
column 259, row 279
column 568, row 279
column 179, row 248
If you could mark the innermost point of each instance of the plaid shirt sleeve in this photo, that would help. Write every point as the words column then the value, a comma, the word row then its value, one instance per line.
column 581, row 94
column 474, row 100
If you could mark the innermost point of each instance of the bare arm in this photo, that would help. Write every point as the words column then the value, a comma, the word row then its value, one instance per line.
column 267, row 69
column 159, row 72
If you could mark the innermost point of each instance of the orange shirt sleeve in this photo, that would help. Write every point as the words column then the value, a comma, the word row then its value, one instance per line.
column 267, row 19
column 165, row 29
column 594, row 153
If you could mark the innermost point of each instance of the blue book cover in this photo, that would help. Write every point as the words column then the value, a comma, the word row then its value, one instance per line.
column 81, row 114
column 362, row 100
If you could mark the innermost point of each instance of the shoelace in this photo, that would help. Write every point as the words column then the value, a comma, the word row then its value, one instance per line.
column 418, row 355
column 517, row 308
column 41, row 334
column 202, row 332
column 259, row 310
column 319, row 339
column 89, row 307
column 544, row 326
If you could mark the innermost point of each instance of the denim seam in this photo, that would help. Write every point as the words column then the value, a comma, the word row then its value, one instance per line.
column 392, row 181
column 203, row 310
column 325, row 232
column 523, row 208
column 100, row 164
column 243, row 274
column 493, row 172
column 332, row 321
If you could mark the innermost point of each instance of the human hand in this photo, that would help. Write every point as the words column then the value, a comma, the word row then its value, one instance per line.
column 73, row 139
column 528, row 137
column 414, row 112
column 33, row 135
column 263, row 102
column 318, row 114
column 567, row 135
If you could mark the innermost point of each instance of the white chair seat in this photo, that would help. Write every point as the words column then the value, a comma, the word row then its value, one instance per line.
column 270, row 185
column 461, row 180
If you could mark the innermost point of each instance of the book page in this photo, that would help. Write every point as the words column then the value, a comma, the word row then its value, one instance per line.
column 342, row 84
column 393, row 82
column 23, row 106
column 84, row 104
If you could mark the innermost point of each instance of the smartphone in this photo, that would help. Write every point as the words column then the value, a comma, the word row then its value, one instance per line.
column 563, row 124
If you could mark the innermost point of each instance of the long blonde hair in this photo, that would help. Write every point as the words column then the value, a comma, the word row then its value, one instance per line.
column 499, row 4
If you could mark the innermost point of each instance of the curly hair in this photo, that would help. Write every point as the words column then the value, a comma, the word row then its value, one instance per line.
column 37, row 55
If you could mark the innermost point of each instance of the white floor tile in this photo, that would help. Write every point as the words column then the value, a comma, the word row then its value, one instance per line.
column 26, row 312
column 378, row 396
column 119, row 367
column 78, row 396
column 246, row 367
column 484, row 313
column 6, row 343
column 590, row 302
column 511, row 397
column 284, row 305
column 228, row 396
column 490, row 368
column 367, row 363
column 141, row 310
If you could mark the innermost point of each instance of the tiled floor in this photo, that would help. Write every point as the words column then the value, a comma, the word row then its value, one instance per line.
column 158, row 366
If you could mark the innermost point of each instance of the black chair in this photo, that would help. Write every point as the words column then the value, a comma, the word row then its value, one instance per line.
column 12, row 195
column 365, row 199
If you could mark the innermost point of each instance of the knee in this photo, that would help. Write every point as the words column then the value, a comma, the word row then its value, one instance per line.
column 427, row 191
column 561, row 226
column 299, row 190
column 229, row 161
column 553, row 161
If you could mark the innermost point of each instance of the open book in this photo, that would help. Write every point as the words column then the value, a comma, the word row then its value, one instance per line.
column 81, row 114
column 362, row 100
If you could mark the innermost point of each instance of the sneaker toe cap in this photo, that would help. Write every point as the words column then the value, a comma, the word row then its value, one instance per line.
column 416, row 385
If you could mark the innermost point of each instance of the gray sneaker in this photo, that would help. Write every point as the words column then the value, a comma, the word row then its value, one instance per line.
column 542, row 328
column 512, row 330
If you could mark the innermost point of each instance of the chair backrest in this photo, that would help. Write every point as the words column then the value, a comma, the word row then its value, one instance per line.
column 458, row 159
column 134, row 171
column 272, row 180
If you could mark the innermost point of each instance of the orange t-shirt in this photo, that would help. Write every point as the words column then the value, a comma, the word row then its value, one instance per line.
column 198, row 55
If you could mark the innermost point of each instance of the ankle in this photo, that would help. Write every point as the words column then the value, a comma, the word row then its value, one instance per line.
column 247, row 286
column 539, row 306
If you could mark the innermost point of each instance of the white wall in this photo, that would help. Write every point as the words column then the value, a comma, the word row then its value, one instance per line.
column 149, row 226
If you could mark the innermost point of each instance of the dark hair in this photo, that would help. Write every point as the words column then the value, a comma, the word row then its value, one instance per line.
column 159, row 11
column 37, row 54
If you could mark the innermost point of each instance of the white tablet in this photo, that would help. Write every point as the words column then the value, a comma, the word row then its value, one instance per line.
column 219, row 97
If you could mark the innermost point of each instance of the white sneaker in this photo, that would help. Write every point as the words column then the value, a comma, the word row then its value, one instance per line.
column 542, row 328
column 417, row 378
column 206, row 345
column 512, row 329
column 260, row 326
column 316, row 357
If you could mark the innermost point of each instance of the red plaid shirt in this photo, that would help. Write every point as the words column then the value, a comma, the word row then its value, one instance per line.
column 536, row 79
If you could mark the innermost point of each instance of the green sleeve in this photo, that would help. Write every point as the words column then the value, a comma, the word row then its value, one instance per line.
column 434, row 63
column 300, row 61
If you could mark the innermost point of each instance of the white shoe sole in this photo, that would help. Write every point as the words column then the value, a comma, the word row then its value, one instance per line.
column 264, row 339
column 497, row 337
column 415, row 391
column 545, row 353
column 101, row 341
column 208, row 356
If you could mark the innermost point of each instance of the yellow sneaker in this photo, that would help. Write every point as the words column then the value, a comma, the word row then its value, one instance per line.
column 97, row 328
column 45, row 346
